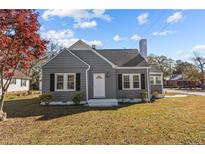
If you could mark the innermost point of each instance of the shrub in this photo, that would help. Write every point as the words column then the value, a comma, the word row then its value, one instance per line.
column 47, row 97
column 78, row 98
column 154, row 96
column 144, row 96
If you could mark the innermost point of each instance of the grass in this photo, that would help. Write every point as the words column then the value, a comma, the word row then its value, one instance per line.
column 166, row 121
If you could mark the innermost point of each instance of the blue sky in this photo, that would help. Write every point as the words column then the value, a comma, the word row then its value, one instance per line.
column 174, row 33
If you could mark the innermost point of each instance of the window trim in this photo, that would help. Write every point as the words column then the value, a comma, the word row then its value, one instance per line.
column 131, row 81
column 154, row 77
column 65, row 81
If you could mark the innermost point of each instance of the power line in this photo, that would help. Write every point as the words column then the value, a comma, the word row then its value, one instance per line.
column 161, row 15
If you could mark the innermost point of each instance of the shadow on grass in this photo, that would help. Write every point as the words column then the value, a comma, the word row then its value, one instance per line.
column 31, row 107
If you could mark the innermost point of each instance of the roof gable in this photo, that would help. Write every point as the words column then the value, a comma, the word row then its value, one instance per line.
column 79, row 45
column 65, row 58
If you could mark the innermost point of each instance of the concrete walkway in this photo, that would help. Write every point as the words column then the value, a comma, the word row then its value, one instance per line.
column 187, row 92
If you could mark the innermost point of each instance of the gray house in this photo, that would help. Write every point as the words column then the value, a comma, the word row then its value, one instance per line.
column 105, row 76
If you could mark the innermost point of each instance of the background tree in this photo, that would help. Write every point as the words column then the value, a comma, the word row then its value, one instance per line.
column 166, row 64
column 35, row 71
column 52, row 50
column 20, row 44
column 200, row 64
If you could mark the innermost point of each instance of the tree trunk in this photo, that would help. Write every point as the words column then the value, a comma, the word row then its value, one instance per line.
column 2, row 114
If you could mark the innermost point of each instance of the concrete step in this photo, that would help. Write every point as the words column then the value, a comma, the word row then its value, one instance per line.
column 102, row 102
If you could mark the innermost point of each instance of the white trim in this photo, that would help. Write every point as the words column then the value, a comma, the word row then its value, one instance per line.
column 155, row 73
column 154, row 79
column 61, row 103
column 86, row 82
column 137, row 67
column 131, row 81
column 65, row 77
column 148, row 85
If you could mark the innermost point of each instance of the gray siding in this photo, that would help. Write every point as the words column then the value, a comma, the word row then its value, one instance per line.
column 64, row 63
column 65, row 60
column 131, row 93
column 98, row 65
column 63, row 95
column 158, row 88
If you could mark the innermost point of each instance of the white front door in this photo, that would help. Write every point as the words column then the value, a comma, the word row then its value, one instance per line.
column 99, row 85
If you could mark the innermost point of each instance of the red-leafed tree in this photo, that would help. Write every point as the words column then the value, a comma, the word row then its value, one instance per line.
column 20, row 44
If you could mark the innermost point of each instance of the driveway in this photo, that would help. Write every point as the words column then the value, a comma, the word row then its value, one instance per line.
column 187, row 92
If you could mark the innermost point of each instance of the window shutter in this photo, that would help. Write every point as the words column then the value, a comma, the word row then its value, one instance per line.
column 120, row 81
column 142, row 81
column 52, row 82
column 77, row 81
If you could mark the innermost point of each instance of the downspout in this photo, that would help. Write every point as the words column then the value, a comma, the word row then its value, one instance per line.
column 148, row 84
column 86, row 76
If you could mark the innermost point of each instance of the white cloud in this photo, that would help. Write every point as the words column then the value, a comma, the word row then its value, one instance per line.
column 94, row 42
column 182, row 55
column 199, row 49
column 100, row 13
column 117, row 38
column 135, row 37
column 85, row 24
column 58, row 35
column 188, row 55
column 174, row 18
column 42, row 28
column 81, row 17
column 143, row 18
column 163, row 33
column 66, row 38
column 76, row 14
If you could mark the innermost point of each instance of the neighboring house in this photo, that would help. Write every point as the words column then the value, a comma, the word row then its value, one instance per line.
column 179, row 81
column 114, row 74
column 19, row 83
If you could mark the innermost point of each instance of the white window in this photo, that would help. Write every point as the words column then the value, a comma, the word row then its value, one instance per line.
column 126, row 83
column 65, row 81
column 155, row 80
column 59, row 82
column 13, row 81
column 131, row 81
column 158, row 80
column 23, row 83
column 136, row 81
column 151, row 79
column 71, row 82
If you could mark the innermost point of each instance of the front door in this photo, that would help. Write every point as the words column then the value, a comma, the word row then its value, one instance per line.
column 99, row 85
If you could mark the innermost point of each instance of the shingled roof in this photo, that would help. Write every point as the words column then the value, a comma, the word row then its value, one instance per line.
column 19, row 75
column 123, row 57
column 155, row 68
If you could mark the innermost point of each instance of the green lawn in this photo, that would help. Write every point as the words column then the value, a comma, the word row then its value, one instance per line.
column 166, row 121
